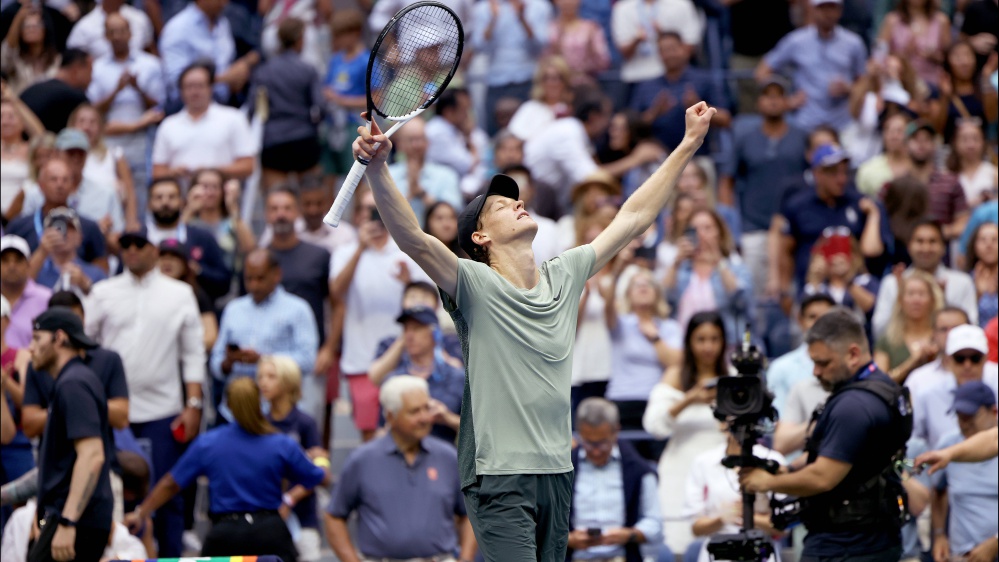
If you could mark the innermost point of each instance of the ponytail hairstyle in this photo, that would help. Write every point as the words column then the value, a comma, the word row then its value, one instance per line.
column 243, row 396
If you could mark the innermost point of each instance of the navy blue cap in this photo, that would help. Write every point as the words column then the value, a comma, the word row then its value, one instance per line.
column 421, row 314
column 60, row 318
column 971, row 396
column 468, row 219
column 134, row 234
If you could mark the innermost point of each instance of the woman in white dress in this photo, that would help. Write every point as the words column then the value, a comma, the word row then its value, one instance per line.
column 680, row 408
column 105, row 166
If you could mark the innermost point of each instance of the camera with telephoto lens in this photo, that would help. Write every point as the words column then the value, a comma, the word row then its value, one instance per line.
column 745, row 404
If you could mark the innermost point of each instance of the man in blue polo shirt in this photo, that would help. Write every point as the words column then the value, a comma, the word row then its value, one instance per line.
column 832, row 203
column 404, row 487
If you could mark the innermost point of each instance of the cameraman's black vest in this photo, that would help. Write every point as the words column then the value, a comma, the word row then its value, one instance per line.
column 880, row 500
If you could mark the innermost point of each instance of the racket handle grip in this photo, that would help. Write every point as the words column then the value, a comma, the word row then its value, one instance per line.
column 346, row 193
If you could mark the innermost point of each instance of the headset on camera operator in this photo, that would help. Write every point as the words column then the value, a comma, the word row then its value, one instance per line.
column 852, row 500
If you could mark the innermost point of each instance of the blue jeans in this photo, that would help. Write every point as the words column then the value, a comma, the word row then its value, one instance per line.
column 168, row 523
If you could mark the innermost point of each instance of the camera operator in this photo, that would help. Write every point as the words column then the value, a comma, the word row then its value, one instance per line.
column 850, row 494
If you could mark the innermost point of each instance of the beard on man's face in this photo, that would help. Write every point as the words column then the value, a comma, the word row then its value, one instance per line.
column 283, row 226
column 166, row 216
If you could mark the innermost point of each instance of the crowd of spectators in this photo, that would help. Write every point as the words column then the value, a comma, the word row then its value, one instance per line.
column 166, row 166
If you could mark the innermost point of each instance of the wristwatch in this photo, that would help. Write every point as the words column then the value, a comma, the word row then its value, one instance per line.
column 194, row 402
column 66, row 522
column 633, row 538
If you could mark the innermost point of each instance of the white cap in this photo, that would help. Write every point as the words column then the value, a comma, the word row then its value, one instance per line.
column 4, row 307
column 967, row 336
column 15, row 242
column 820, row 2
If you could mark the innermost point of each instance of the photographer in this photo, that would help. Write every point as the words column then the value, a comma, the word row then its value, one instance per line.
column 851, row 495
column 56, row 261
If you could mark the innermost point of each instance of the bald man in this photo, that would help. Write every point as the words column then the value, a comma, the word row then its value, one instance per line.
column 423, row 183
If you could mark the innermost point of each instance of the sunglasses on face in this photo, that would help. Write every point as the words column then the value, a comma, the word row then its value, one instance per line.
column 961, row 358
column 137, row 242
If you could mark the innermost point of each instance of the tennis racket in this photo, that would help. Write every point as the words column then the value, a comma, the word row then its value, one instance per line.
column 412, row 62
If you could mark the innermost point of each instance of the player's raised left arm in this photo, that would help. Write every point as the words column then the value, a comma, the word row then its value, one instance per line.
column 642, row 208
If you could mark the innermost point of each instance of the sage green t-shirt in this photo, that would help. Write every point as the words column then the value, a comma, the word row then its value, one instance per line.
column 517, row 346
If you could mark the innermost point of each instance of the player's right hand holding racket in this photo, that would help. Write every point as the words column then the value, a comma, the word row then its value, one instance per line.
column 371, row 146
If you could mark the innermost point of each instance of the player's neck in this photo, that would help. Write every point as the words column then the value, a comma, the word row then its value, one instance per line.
column 516, row 264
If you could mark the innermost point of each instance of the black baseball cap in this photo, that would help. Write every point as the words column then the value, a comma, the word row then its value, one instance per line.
column 134, row 234
column 421, row 314
column 468, row 220
column 61, row 318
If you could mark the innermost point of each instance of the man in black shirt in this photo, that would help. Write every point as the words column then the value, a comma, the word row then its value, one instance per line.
column 74, row 465
column 54, row 100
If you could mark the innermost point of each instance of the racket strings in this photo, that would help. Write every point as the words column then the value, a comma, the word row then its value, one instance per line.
column 414, row 61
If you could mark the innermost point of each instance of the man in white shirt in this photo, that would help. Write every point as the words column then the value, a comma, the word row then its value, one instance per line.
column 635, row 26
column 88, row 32
column 454, row 140
column 153, row 322
column 423, row 181
column 203, row 134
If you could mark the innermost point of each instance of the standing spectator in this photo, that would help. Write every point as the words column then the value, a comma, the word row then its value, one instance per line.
column 680, row 409
column 166, row 211
column 927, row 376
column 74, row 486
column 551, row 99
column 837, row 269
column 368, row 277
column 962, row 95
column 314, row 14
column 789, row 369
column 907, row 342
column 918, row 31
column 948, row 205
column 892, row 163
column 105, row 167
column 15, row 447
column 128, row 89
column 294, row 98
column 907, row 203
column 204, row 134
column 628, row 130
column 983, row 266
column 581, row 42
column 54, row 99
column 152, row 321
column 200, row 32
column 824, row 59
column 766, row 158
column 246, row 463
column 708, row 274
column 18, row 130
column 592, row 356
column 965, row 501
column 213, row 204
column 456, row 141
column 755, row 28
column 441, row 222
column 512, row 35
column 266, row 321
column 89, row 31
column 663, row 99
column 27, row 299
column 981, row 22
column 344, row 89
column 967, row 160
column 175, row 262
column 423, row 181
column 57, row 260
column 926, row 246
column 629, row 518
column 420, row 352
column 404, row 486
column 29, row 51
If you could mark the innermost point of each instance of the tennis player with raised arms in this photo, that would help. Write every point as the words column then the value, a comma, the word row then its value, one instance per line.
column 517, row 324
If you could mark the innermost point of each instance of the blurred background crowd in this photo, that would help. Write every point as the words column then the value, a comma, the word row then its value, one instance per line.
column 166, row 166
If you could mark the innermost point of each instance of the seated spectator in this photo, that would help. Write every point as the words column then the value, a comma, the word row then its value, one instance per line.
column 968, row 161
column 581, row 42
column 680, row 409
column 593, row 193
column 266, row 321
column 18, row 130
column 423, row 294
column 926, row 246
column 57, row 260
column 893, row 161
column 927, row 376
column 128, row 89
column 837, row 269
column 104, row 167
column 627, row 130
column 294, row 105
column 948, row 205
column 644, row 342
column 507, row 150
column 200, row 32
column 54, row 99
column 55, row 188
column 664, row 99
column 965, row 497
column 246, row 463
column 511, row 35
column 907, row 203
column 89, row 31
column 175, row 262
column 454, row 140
column 824, row 82
column 280, row 383
column 26, row 298
column 708, row 274
column 907, row 342
column 962, row 95
column 715, row 505
column 18, row 535
column 419, row 352
column 213, row 205
column 786, row 371
column 203, row 134
column 551, row 99
column 166, row 209
column 400, row 516
column 422, row 180
column 983, row 213
column 629, row 518
column 983, row 266
column 29, row 51
column 919, row 32
column 441, row 222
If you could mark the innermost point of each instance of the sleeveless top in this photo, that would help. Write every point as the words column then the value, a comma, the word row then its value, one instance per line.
column 926, row 40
